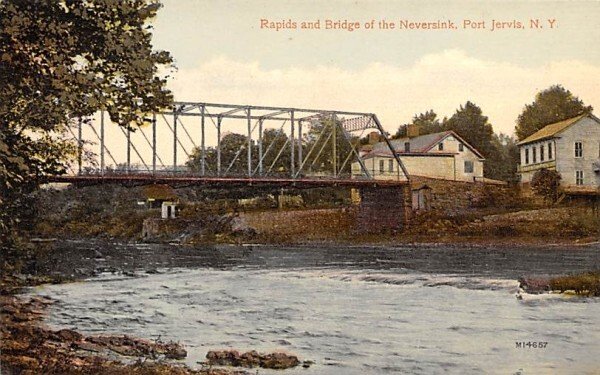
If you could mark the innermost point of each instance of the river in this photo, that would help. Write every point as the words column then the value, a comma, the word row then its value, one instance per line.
column 352, row 310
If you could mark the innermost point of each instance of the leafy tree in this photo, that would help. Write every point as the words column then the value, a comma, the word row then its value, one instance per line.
column 427, row 122
column 546, row 182
column 551, row 105
column 470, row 123
column 274, row 142
column 234, row 156
column 502, row 163
column 323, row 158
column 61, row 60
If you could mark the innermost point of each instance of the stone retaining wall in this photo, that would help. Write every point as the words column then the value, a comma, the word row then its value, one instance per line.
column 452, row 197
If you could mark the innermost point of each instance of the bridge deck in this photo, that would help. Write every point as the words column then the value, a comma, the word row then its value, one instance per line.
column 143, row 179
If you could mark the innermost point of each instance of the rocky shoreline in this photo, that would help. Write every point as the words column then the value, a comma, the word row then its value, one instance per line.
column 28, row 347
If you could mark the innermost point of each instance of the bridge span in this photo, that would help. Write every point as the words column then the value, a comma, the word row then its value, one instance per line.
column 228, row 145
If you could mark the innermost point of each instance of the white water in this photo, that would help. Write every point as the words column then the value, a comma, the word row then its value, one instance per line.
column 349, row 321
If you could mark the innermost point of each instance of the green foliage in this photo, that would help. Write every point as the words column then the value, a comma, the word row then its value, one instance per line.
column 317, row 145
column 427, row 122
column 60, row 61
column 545, row 183
column 502, row 162
column 329, row 152
column 469, row 122
column 583, row 284
column 551, row 105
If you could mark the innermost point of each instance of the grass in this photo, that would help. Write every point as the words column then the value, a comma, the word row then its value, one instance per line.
column 585, row 284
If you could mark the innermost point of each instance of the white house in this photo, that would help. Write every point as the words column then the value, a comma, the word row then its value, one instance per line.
column 570, row 147
column 442, row 155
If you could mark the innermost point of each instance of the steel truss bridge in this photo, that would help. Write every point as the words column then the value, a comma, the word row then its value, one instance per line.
column 225, row 144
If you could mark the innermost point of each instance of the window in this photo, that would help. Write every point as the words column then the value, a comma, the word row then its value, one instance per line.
column 534, row 154
column 542, row 153
column 461, row 147
column 406, row 146
column 468, row 166
column 441, row 146
column 549, row 151
column 578, row 177
column 391, row 165
column 578, row 149
column 526, row 156
column 381, row 166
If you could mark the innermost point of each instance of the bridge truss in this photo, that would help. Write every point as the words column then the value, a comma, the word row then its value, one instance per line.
column 209, row 140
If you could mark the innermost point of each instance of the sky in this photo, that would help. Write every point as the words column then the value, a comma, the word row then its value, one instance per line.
column 223, row 55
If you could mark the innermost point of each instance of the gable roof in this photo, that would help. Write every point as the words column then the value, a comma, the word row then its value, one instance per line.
column 552, row 130
column 423, row 143
column 159, row 192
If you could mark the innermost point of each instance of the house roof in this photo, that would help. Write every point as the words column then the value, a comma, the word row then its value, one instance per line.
column 159, row 192
column 552, row 130
column 388, row 154
column 422, row 144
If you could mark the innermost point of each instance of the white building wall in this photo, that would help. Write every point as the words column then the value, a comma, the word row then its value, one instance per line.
column 586, row 131
column 446, row 167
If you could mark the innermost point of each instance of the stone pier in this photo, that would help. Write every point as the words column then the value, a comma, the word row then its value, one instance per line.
column 383, row 209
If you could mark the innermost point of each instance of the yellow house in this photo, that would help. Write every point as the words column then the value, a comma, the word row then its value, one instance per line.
column 443, row 155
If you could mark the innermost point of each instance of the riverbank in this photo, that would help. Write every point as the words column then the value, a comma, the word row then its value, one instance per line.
column 115, row 213
column 27, row 346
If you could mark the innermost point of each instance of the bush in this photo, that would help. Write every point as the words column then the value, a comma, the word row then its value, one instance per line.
column 583, row 284
column 545, row 183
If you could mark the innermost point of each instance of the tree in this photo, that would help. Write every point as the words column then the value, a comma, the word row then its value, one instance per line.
column 545, row 183
column 62, row 60
column 469, row 122
column 234, row 156
column 427, row 122
column 502, row 164
column 276, row 151
column 326, row 152
column 551, row 105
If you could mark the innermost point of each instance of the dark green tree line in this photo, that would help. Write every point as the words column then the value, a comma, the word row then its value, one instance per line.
column 64, row 60
column 551, row 105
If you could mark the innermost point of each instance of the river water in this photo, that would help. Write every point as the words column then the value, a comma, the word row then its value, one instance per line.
column 354, row 310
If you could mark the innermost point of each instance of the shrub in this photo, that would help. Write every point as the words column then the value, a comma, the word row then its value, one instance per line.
column 583, row 284
column 545, row 183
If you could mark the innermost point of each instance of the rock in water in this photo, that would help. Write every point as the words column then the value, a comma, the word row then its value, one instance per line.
column 251, row 359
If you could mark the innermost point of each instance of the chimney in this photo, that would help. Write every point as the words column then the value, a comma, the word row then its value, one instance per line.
column 412, row 130
column 373, row 137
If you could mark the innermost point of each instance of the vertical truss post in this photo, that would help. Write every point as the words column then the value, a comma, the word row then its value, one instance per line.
column 202, row 145
column 154, row 143
column 102, row 143
column 175, row 140
column 300, row 142
column 249, row 143
column 219, row 145
column 389, row 144
column 79, row 146
column 293, row 141
column 334, row 144
column 260, row 147
column 128, row 166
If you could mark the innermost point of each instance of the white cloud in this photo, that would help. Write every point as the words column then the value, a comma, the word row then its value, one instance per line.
column 440, row 81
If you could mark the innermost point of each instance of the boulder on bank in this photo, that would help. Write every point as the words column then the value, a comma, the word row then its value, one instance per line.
column 534, row 285
column 251, row 359
column 130, row 346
